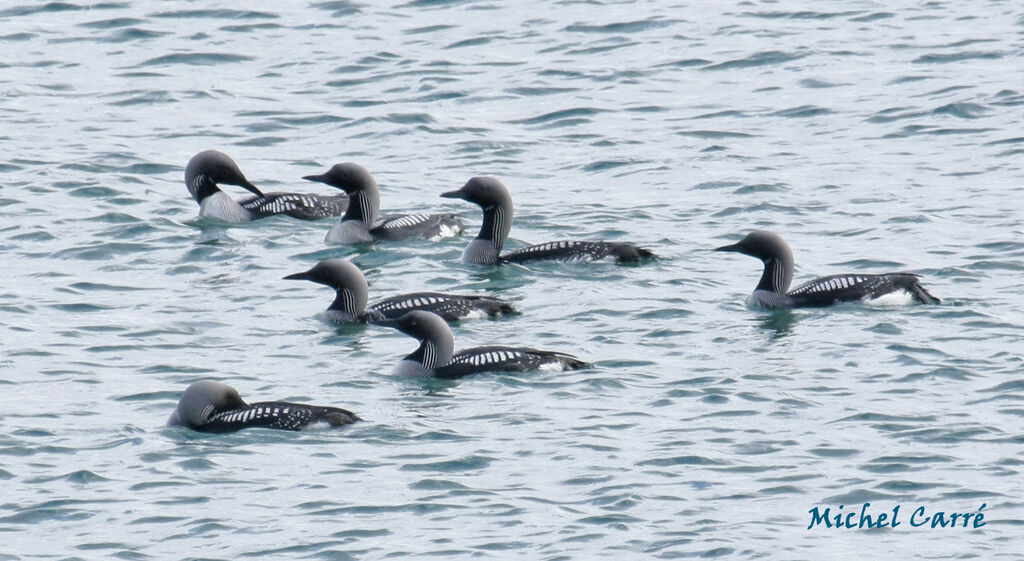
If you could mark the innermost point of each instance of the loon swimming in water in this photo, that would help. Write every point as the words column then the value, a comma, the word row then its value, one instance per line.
column 209, row 406
column 435, row 357
column 493, row 197
column 208, row 168
column 772, row 293
column 361, row 224
column 349, row 304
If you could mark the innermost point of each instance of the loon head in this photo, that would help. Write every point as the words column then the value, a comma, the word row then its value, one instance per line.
column 349, row 177
column 342, row 276
column 496, row 202
column 774, row 252
column 761, row 244
column 437, row 345
column 487, row 192
column 209, row 168
column 359, row 185
column 203, row 400
column 419, row 324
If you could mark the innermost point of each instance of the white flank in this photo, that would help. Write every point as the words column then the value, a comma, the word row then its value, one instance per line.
column 222, row 207
column 446, row 231
column 552, row 366
column 890, row 300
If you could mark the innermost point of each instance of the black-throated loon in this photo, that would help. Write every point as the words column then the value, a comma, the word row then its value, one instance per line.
column 208, row 168
column 435, row 357
column 496, row 202
column 209, row 406
column 361, row 224
column 349, row 304
column 773, row 290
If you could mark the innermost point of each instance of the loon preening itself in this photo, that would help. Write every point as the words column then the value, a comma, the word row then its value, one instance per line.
column 209, row 406
column 773, row 290
column 209, row 168
column 361, row 224
column 349, row 304
column 435, row 357
column 485, row 249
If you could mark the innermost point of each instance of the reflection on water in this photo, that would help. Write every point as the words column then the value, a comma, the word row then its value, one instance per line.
column 779, row 321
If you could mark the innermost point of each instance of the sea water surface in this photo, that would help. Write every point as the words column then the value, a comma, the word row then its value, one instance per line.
column 874, row 136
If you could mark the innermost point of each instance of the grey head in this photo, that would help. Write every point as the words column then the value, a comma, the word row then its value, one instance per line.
column 360, row 186
column 493, row 197
column 345, row 278
column 209, row 168
column 202, row 400
column 437, row 345
column 774, row 252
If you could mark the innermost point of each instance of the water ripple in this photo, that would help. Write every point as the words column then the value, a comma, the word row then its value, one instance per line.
column 195, row 59
column 755, row 60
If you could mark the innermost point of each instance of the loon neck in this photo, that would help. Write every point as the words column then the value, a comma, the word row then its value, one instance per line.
column 777, row 275
column 364, row 206
column 434, row 351
column 201, row 186
column 349, row 301
column 496, row 225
